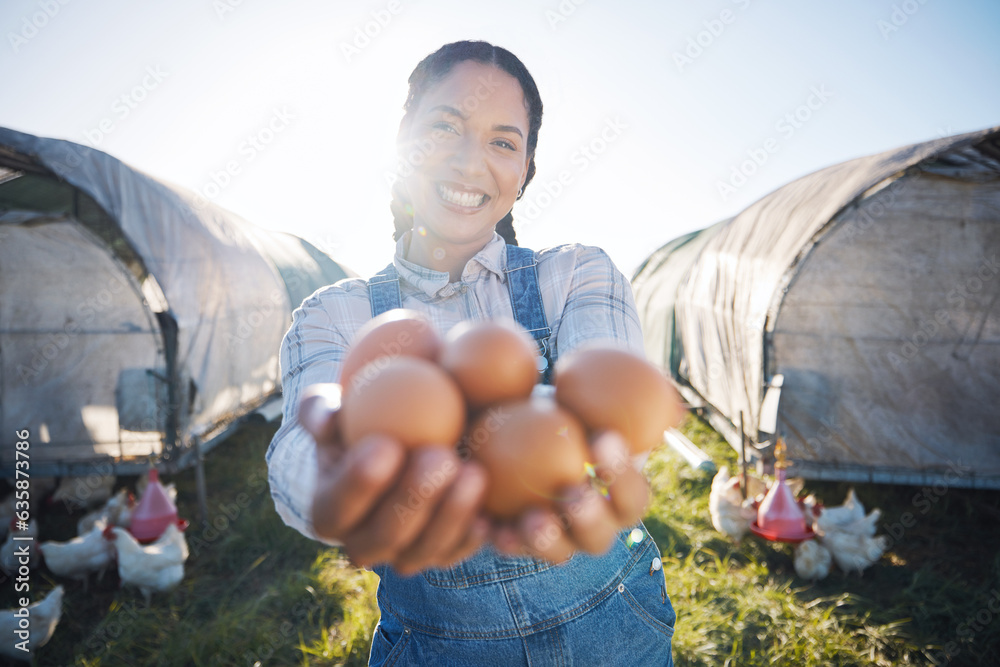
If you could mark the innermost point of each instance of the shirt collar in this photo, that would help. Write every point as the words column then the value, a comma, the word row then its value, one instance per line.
column 492, row 257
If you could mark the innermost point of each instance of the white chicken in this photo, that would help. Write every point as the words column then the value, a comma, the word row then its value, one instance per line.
column 43, row 616
column 83, row 492
column 731, row 515
column 849, row 533
column 116, row 512
column 812, row 560
column 78, row 557
column 834, row 517
column 156, row 567
column 13, row 550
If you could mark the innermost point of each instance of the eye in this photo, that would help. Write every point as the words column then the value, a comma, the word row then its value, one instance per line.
column 444, row 125
column 505, row 144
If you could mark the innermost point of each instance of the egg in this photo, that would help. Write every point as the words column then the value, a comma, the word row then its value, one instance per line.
column 407, row 398
column 531, row 449
column 610, row 388
column 492, row 361
column 395, row 333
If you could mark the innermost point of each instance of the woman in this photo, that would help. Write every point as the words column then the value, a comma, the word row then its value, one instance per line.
column 564, row 587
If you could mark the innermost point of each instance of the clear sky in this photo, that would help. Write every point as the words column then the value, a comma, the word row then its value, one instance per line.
column 660, row 117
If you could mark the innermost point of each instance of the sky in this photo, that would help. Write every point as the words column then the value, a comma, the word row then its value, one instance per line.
column 660, row 117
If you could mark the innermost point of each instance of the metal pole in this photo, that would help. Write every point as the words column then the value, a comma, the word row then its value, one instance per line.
column 199, row 475
column 743, row 456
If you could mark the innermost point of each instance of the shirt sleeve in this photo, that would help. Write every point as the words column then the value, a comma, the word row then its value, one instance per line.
column 599, row 305
column 311, row 352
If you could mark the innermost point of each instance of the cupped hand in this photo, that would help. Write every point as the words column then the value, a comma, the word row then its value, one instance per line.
column 585, row 518
column 411, row 509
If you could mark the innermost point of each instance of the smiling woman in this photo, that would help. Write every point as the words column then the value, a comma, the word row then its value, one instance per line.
column 541, row 587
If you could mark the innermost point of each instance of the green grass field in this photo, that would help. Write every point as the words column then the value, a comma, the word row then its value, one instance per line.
column 256, row 592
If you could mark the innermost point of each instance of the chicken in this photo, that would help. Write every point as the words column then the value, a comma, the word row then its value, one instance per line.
column 812, row 560
column 756, row 488
column 855, row 551
column 833, row 517
column 116, row 512
column 731, row 515
column 77, row 558
column 849, row 533
column 156, row 567
column 83, row 492
column 13, row 550
column 43, row 617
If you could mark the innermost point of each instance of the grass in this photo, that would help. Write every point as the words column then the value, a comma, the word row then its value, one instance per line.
column 256, row 592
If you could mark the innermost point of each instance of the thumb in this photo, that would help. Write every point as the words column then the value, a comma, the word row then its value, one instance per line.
column 318, row 412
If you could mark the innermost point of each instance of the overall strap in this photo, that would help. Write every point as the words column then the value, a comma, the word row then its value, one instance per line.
column 526, row 301
column 383, row 291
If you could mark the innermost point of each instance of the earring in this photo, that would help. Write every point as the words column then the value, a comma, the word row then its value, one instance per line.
column 520, row 192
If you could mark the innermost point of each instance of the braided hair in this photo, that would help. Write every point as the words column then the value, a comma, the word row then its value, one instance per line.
column 435, row 67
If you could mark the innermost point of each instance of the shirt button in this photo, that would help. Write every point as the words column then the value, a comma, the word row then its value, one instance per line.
column 465, row 288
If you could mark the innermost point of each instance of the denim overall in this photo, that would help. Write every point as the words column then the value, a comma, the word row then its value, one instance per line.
column 495, row 610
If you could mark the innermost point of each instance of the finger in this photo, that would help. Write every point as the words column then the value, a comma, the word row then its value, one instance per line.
column 348, row 491
column 474, row 540
column 451, row 523
column 592, row 524
column 404, row 512
column 507, row 541
column 542, row 534
column 318, row 412
column 627, row 488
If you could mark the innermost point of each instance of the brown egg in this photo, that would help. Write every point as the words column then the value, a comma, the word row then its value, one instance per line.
column 407, row 398
column 492, row 361
column 531, row 450
column 395, row 333
column 610, row 388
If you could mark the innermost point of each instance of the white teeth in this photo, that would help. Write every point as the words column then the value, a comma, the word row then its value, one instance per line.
column 467, row 199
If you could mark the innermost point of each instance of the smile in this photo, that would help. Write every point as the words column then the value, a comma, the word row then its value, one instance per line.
column 463, row 199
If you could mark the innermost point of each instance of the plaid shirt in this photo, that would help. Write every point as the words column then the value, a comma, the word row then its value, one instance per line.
column 586, row 298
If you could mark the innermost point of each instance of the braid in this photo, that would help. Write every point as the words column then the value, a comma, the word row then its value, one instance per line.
column 402, row 212
column 505, row 228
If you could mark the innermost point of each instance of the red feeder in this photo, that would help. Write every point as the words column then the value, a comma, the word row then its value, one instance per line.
column 155, row 511
column 779, row 517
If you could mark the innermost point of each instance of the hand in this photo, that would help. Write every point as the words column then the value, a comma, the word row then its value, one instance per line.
column 410, row 509
column 585, row 519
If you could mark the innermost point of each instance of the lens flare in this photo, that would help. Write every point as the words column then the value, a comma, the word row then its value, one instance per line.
column 421, row 230
column 596, row 481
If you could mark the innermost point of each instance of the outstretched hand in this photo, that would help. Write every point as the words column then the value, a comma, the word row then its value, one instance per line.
column 412, row 509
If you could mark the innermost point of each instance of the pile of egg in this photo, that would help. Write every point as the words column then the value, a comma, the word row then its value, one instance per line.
column 474, row 389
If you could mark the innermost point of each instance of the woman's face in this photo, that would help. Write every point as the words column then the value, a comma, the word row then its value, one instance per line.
column 465, row 147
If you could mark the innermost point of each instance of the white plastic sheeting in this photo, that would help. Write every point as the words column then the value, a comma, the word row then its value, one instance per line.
column 219, row 280
column 66, row 351
column 872, row 287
